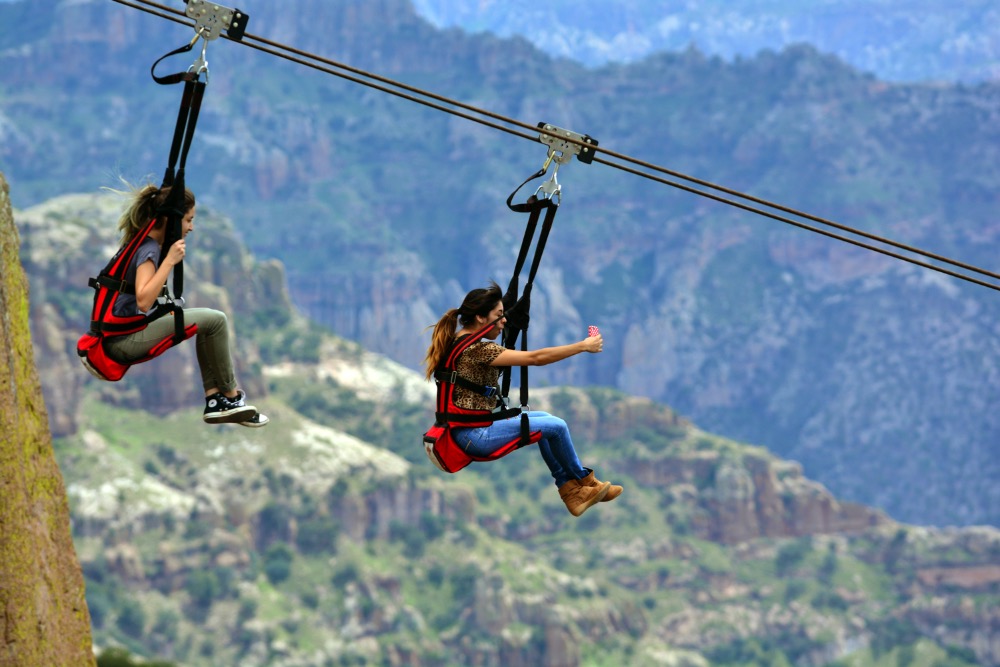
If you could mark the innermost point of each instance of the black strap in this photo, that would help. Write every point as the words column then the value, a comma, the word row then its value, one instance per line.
column 173, row 207
column 522, row 208
column 453, row 377
column 464, row 418
column 518, row 307
column 120, row 286
column 178, row 76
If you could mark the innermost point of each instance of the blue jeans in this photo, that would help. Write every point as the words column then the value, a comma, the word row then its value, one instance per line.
column 556, row 445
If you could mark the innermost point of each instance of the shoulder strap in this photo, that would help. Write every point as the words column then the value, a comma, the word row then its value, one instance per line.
column 111, row 282
column 446, row 387
column 518, row 307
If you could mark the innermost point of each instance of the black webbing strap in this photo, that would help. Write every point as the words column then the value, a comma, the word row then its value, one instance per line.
column 173, row 177
column 178, row 76
column 454, row 378
column 517, row 307
column 120, row 286
column 173, row 207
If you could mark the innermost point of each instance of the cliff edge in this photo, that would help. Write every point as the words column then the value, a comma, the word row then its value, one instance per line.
column 44, row 620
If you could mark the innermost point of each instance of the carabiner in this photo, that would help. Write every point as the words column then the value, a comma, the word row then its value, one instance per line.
column 551, row 188
column 201, row 64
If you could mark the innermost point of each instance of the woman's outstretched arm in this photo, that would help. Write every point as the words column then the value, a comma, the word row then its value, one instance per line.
column 548, row 355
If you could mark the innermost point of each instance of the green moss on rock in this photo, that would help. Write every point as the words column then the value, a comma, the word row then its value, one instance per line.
column 44, row 620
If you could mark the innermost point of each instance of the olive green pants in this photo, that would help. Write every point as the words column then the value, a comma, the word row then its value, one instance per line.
column 211, row 344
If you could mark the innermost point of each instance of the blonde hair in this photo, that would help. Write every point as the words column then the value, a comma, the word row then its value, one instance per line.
column 146, row 203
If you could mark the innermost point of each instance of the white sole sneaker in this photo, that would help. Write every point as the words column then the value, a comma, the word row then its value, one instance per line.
column 222, row 410
column 256, row 421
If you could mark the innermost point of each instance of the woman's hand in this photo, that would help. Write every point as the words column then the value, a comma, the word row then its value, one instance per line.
column 593, row 344
column 176, row 253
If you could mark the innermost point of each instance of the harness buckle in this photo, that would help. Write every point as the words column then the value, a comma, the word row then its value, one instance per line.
column 490, row 392
column 454, row 377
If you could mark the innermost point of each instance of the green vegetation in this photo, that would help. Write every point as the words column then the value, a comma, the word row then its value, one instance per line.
column 119, row 657
column 286, row 567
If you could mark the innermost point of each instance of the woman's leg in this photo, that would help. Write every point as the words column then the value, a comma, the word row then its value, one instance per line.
column 556, row 445
column 211, row 344
column 212, row 347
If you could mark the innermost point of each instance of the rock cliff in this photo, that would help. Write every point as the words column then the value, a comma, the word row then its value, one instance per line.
column 44, row 620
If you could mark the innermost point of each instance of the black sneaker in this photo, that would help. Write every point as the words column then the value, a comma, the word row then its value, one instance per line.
column 219, row 409
column 256, row 421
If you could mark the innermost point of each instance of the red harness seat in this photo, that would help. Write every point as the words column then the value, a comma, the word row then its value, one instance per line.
column 109, row 285
column 439, row 445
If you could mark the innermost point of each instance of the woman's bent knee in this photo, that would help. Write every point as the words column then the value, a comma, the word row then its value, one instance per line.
column 209, row 320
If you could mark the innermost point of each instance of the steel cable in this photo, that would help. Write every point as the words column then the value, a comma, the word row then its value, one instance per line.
column 423, row 97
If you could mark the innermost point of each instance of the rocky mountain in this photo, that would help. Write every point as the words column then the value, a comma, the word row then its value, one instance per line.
column 876, row 375
column 44, row 618
column 942, row 41
column 327, row 538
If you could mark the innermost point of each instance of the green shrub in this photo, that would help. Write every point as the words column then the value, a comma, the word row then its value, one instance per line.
column 790, row 555
column 203, row 587
column 132, row 618
column 278, row 562
column 167, row 625
column 345, row 575
column 317, row 535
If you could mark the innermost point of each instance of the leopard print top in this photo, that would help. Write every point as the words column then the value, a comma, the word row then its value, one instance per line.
column 474, row 365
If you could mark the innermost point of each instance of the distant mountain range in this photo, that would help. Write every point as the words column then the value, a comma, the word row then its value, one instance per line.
column 880, row 378
column 895, row 40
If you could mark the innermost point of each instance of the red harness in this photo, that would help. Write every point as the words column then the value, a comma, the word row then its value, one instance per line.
column 109, row 284
column 439, row 445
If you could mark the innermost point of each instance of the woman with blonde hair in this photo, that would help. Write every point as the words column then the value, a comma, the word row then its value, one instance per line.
column 145, row 282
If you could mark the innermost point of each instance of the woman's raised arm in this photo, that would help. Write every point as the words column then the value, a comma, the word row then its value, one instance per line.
column 549, row 355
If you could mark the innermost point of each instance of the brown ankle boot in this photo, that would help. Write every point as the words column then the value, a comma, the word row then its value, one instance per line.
column 579, row 497
column 614, row 490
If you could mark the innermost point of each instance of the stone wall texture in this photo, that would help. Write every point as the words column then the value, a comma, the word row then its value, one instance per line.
column 44, row 620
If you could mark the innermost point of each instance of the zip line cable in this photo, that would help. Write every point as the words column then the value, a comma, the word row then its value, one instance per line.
column 362, row 77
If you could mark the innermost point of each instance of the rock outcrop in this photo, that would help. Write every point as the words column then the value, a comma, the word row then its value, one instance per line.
column 44, row 620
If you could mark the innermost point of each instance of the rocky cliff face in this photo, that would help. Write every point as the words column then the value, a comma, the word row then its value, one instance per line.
column 43, row 614
column 727, row 495
column 486, row 567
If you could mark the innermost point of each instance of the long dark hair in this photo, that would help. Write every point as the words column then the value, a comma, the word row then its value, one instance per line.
column 477, row 302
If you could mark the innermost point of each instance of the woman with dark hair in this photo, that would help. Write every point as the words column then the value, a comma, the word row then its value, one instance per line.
column 480, row 365
column 224, row 403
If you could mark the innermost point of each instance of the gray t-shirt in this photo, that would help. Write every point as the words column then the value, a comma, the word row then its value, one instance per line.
column 125, row 304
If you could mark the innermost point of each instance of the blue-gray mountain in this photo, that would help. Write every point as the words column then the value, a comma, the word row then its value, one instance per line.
column 878, row 376
column 899, row 41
